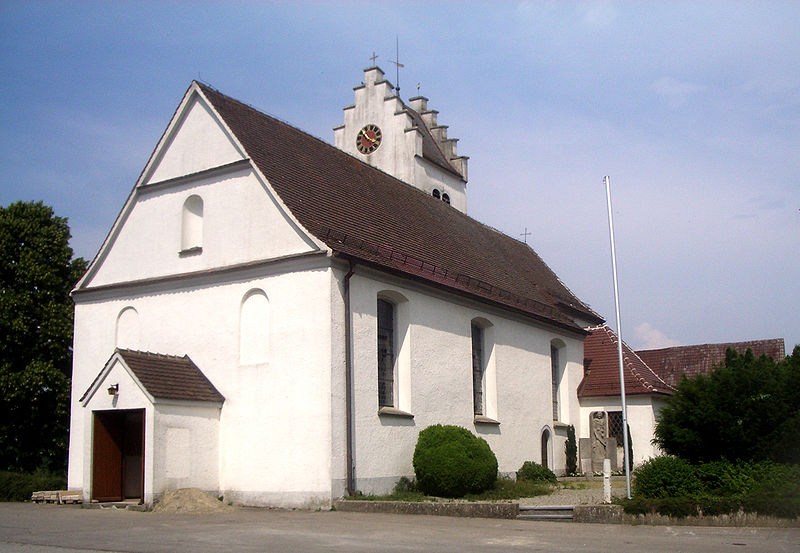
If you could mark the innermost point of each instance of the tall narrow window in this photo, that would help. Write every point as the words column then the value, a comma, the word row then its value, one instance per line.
column 254, row 328
column 386, row 353
column 192, row 224
column 477, row 369
column 555, row 369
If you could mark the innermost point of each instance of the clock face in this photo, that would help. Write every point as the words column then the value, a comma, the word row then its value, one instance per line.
column 368, row 139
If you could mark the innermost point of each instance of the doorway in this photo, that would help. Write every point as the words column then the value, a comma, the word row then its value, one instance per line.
column 118, row 455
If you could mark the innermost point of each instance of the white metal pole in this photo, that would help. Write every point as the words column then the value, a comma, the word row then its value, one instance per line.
column 607, row 182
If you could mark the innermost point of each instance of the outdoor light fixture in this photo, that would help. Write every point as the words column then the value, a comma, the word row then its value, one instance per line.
column 113, row 389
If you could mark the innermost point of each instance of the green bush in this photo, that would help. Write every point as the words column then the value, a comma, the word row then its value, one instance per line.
column 777, row 492
column 571, row 452
column 450, row 461
column 666, row 477
column 535, row 472
column 18, row 486
column 723, row 478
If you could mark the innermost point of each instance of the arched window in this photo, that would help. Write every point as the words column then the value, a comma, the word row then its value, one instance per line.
column 546, row 448
column 128, row 334
column 254, row 328
column 393, row 352
column 557, row 375
column 386, row 353
column 437, row 194
column 484, row 390
column 192, row 224
column 446, row 198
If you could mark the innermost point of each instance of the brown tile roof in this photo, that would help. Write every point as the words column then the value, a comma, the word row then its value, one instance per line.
column 671, row 363
column 601, row 368
column 368, row 215
column 167, row 376
column 430, row 148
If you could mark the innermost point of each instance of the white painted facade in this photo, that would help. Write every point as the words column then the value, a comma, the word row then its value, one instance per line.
column 642, row 415
column 205, row 260
column 401, row 150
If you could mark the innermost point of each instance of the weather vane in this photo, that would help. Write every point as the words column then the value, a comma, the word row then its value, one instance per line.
column 397, row 64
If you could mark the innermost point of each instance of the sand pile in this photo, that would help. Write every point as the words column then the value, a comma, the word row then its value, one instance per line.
column 189, row 500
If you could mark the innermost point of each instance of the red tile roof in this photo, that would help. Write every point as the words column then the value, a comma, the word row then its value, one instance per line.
column 367, row 215
column 601, row 368
column 167, row 376
column 671, row 363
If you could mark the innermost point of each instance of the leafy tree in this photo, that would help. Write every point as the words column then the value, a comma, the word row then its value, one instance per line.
column 747, row 409
column 37, row 272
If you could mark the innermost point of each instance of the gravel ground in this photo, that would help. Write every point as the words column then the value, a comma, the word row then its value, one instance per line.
column 576, row 493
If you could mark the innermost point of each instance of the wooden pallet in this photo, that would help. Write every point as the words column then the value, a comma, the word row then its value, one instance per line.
column 59, row 497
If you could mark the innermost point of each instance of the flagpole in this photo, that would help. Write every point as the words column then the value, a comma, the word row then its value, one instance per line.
column 607, row 182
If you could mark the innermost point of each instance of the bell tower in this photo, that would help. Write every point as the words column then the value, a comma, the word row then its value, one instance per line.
column 405, row 141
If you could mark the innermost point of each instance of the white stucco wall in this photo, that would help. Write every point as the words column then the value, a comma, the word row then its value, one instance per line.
column 195, row 141
column 274, row 432
column 642, row 413
column 185, row 447
column 440, row 384
column 242, row 222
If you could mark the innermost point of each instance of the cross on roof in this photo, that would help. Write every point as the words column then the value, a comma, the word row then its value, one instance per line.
column 525, row 235
column 373, row 57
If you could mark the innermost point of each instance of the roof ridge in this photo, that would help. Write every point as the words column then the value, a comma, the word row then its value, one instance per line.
column 646, row 383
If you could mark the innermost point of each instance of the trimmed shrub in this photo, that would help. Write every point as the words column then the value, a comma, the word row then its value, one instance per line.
column 666, row 477
column 536, row 473
column 450, row 461
column 18, row 486
column 571, row 452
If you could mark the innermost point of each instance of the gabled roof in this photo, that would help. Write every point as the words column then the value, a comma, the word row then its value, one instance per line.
column 671, row 363
column 601, row 368
column 367, row 215
column 163, row 376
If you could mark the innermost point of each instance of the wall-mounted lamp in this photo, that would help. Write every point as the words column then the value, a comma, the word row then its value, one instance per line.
column 113, row 389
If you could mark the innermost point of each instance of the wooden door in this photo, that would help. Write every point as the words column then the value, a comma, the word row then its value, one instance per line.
column 118, row 455
column 107, row 457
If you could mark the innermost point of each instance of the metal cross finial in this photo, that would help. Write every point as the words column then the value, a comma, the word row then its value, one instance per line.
column 373, row 57
column 525, row 235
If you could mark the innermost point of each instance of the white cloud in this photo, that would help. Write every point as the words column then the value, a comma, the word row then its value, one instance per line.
column 675, row 92
column 647, row 337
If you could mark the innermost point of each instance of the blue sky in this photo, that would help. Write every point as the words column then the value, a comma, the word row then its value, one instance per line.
column 693, row 109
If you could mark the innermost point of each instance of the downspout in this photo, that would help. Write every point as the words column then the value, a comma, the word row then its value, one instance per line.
column 348, row 379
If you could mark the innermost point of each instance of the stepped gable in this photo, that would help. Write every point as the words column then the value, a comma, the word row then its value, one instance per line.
column 365, row 214
column 601, row 368
column 430, row 146
column 672, row 363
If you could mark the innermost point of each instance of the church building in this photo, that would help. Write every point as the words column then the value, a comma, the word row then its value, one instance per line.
column 274, row 319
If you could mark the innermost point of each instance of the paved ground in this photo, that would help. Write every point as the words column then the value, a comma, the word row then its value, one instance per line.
column 29, row 528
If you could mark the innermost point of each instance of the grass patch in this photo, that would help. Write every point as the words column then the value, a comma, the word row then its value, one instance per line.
column 504, row 489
